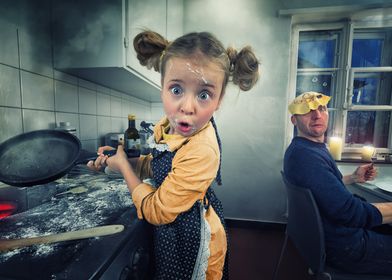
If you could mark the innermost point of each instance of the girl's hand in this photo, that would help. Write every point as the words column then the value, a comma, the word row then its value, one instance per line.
column 100, row 162
column 118, row 161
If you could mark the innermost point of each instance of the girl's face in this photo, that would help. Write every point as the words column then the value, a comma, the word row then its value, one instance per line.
column 191, row 93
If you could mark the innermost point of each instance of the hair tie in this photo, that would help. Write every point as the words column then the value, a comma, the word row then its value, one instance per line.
column 162, row 55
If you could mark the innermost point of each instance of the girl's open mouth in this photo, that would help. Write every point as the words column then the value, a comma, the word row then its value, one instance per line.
column 184, row 127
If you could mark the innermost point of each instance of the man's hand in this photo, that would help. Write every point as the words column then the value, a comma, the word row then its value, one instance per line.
column 363, row 173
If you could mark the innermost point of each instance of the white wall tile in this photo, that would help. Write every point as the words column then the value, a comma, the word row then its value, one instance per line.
column 73, row 119
column 104, row 125
column 11, row 122
column 66, row 97
column 116, row 93
column 119, row 124
column 139, row 110
column 103, row 104
column 87, row 101
column 157, row 111
column 35, row 119
column 9, row 86
column 115, row 106
column 9, row 43
column 125, row 108
column 37, row 91
column 88, row 127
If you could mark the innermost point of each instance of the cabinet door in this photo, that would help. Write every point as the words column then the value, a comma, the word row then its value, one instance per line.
column 88, row 34
column 144, row 14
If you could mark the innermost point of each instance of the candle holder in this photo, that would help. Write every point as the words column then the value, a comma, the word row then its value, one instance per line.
column 367, row 153
column 336, row 147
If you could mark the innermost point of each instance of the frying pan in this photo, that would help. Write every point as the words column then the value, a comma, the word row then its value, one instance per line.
column 40, row 157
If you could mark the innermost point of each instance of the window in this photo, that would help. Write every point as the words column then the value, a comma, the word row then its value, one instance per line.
column 352, row 63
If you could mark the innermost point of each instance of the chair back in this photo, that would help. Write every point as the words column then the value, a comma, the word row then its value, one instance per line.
column 304, row 226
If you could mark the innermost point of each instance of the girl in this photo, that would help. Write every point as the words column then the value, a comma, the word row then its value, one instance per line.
column 189, row 230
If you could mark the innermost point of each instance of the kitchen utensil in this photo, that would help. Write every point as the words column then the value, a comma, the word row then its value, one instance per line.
column 76, row 190
column 11, row 244
column 146, row 127
column 66, row 126
column 39, row 157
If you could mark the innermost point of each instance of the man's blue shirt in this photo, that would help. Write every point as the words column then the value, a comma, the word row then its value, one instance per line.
column 345, row 217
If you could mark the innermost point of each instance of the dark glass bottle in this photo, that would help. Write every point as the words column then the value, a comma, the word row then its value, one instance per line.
column 132, row 138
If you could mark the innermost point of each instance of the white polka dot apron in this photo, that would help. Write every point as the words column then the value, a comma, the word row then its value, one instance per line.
column 178, row 246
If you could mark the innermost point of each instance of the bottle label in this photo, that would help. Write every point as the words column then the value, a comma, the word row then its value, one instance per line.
column 132, row 144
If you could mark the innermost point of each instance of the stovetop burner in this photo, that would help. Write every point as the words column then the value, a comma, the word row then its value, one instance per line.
column 106, row 200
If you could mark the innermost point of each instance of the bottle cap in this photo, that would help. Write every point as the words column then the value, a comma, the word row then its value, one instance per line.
column 131, row 117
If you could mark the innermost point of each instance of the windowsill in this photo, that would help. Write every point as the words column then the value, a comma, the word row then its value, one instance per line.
column 358, row 160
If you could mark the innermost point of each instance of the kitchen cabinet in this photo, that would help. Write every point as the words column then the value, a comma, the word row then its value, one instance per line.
column 93, row 39
column 164, row 17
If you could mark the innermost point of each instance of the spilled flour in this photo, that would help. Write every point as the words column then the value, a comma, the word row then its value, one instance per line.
column 106, row 198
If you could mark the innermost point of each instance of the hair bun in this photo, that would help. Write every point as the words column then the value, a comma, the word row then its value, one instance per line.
column 245, row 68
column 149, row 46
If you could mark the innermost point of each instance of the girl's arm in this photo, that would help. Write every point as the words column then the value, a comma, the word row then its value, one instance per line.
column 194, row 167
column 140, row 164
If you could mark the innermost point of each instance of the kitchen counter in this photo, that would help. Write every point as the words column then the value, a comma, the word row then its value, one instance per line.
column 106, row 200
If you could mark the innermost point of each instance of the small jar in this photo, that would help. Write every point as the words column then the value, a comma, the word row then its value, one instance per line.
column 66, row 126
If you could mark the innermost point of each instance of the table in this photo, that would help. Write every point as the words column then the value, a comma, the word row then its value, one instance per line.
column 369, row 190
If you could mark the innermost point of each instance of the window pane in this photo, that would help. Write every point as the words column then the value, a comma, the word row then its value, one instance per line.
column 317, row 49
column 371, row 47
column 372, row 88
column 314, row 82
column 368, row 127
column 367, row 52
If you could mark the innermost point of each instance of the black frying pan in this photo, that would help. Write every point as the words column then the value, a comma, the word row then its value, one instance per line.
column 39, row 157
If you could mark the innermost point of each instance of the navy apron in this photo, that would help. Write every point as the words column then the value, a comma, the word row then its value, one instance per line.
column 176, row 245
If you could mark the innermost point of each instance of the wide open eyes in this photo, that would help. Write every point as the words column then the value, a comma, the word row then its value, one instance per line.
column 204, row 95
column 176, row 90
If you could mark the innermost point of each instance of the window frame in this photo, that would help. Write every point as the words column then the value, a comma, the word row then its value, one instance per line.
column 345, row 73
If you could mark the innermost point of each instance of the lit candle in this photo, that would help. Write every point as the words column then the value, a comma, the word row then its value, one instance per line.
column 367, row 153
column 336, row 147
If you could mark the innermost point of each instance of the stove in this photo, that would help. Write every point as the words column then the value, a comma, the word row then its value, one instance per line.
column 56, row 207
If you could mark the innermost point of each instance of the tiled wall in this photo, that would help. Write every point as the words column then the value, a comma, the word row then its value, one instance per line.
column 34, row 96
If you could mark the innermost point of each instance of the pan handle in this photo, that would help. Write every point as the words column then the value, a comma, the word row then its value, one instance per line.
column 131, row 153
column 85, row 156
